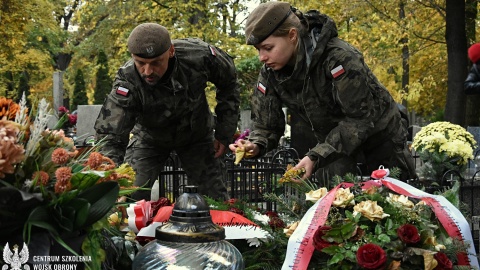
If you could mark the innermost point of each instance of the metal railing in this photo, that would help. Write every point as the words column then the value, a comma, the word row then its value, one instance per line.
column 247, row 181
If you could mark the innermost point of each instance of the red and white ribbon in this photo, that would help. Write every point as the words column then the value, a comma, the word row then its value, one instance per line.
column 449, row 216
column 300, row 247
column 138, row 215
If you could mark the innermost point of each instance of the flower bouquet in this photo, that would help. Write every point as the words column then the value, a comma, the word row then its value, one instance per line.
column 379, row 224
column 443, row 146
column 46, row 186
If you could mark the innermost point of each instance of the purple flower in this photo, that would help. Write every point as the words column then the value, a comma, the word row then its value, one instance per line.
column 244, row 135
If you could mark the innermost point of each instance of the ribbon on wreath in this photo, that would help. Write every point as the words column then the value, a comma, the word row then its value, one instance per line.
column 300, row 247
column 138, row 214
column 449, row 216
column 300, row 244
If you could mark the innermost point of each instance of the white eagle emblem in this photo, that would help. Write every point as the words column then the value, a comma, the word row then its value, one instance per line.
column 15, row 259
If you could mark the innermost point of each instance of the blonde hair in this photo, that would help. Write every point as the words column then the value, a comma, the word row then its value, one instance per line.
column 292, row 21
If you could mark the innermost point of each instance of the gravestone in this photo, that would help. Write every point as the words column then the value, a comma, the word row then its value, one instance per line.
column 86, row 117
column 476, row 134
column 245, row 120
column 57, row 90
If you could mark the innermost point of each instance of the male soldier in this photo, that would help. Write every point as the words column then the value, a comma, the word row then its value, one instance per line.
column 158, row 97
column 325, row 81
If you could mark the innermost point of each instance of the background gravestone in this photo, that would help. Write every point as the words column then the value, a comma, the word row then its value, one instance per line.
column 476, row 134
column 86, row 117
column 471, row 187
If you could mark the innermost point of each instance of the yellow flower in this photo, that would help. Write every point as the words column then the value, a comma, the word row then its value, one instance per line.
column 400, row 199
column 292, row 175
column 432, row 240
column 130, row 236
column 370, row 210
column 114, row 219
column 315, row 195
column 343, row 197
column 445, row 139
column 291, row 228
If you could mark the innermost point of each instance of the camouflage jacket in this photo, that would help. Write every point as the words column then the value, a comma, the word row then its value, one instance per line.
column 175, row 111
column 330, row 88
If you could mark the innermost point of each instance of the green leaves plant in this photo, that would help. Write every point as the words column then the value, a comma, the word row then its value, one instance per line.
column 101, row 197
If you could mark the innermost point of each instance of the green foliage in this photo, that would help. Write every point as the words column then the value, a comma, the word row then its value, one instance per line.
column 270, row 256
column 23, row 87
column 247, row 71
column 79, row 91
column 103, row 82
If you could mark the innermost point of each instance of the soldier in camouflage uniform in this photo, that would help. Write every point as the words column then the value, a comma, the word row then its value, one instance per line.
column 325, row 80
column 159, row 98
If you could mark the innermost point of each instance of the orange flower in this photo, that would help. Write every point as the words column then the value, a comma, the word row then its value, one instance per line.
column 11, row 153
column 63, row 175
column 8, row 108
column 97, row 161
column 94, row 160
column 60, row 156
column 41, row 177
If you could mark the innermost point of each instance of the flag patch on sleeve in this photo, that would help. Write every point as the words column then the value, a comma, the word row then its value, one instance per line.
column 212, row 50
column 122, row 91
column 261, row 88
column 337, row 71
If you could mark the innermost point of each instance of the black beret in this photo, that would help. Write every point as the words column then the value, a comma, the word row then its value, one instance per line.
column 149, row 40
column 264, row 20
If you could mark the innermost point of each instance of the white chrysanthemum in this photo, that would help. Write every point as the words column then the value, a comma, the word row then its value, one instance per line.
column 254, row 242
column 260, row 218
column 444, row 137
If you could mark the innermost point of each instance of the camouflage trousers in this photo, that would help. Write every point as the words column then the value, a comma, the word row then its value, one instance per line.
column 197, row 159
column 390, row 153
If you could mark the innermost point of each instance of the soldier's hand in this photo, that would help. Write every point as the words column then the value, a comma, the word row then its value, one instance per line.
column 219, row 148
column 243, row 148
column 308, row 165
column 250, row 148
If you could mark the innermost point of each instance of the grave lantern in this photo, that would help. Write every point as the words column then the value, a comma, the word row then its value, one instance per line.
column 189, row 240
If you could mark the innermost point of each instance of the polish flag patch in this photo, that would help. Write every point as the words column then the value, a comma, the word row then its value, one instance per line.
column 261, row 88
column 337, row 71
column 122, row 91
column 212, row 50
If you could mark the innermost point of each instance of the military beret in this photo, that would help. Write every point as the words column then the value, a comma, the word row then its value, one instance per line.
column 149, row 40
column 264, row 20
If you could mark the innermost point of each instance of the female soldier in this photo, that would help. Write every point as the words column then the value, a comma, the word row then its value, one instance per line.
column 323, row 79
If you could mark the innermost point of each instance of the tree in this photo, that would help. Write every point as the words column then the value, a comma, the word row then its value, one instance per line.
column 457, row 61
column 472, row 117
column 23, row 87
column 79, row 91
column 103, row 83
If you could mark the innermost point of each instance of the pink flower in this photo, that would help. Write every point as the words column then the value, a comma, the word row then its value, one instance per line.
column 63, row 109
column 244, row 135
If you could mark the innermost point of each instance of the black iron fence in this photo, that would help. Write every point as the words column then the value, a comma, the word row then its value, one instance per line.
column 248, row 180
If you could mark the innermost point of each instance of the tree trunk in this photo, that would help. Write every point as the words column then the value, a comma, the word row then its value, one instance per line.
column 472, row 117
column 457, row 61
